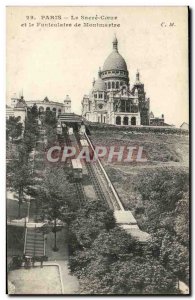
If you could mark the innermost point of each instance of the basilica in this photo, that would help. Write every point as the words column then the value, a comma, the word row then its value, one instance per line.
column 112, row 99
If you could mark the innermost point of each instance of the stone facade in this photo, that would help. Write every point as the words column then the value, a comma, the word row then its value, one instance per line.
column 112, row 100
column 19, row 110
column 46, row 104
column 157, row 121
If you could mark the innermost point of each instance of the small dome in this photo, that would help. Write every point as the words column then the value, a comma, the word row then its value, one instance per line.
column 20, row 104
column 46, row 99
column 67, row 98
column 99, row 85
column 151, row 115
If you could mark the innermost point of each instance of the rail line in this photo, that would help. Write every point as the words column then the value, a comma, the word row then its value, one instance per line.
column 98, row 189
column 100, row 184
column 80, row 193
column 98, row 180
column 113, row 198
column 78, row 185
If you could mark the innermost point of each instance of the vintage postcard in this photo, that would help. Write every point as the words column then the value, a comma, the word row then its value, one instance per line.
column 97, row 131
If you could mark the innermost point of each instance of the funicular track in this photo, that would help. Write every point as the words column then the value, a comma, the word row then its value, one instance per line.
column 113, row 204
column 112, row 196
column 78, row 185
column 97, row 179
column 93, row 176
column 80, row 193
column 105, row 190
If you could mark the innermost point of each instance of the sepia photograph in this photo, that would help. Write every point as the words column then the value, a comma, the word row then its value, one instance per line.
column 97, row 150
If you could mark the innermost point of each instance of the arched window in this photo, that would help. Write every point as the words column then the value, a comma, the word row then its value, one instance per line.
column 118, row 120
column 109, row 85
column 126, row 121
column 59, row 111
column 117, row 85
column 121, row 83
column 41, row 109
column 48, row 109
column 134, row 108
column 133, row 121
column 113, row 85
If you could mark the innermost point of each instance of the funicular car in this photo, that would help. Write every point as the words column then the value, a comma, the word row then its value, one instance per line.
column 77, row 169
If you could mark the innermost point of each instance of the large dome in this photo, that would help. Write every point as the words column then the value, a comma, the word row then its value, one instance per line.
column 115, row 61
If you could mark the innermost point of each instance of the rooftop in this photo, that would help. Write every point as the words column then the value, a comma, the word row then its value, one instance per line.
column 124, row 217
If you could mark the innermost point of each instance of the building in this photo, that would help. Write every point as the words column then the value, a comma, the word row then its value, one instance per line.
column 156, row 121
column 9, row 112
column 19, row 110
column 46, row 105
column 185, row 126
column 112, row 99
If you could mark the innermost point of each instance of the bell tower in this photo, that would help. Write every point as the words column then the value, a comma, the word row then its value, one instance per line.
column 67, row 104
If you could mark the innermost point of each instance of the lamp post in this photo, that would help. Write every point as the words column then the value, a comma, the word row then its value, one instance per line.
column 55, row 248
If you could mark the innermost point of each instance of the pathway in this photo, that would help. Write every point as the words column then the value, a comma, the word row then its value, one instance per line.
column 70, row 283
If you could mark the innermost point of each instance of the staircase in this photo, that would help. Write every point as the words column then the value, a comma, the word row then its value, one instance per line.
column 70, row 118
column 34, row 243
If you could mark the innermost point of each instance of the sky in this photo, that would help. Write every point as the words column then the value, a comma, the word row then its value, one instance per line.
column 56, row 61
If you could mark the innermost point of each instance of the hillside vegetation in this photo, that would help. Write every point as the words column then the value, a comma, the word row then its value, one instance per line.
column 156, row 191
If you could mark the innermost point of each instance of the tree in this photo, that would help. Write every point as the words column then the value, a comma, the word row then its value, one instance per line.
column 20, row 179
column 34, row 112
column 31, row 132
column 13, row 128
column 50, row 119
column 29, row 140
column 141, row 276
column 89, row 222
column 175, row 257
column 181, row 222
column 114, row 244
column 101, row 246
column 166, row 202
column 114, row 264
column 55, row 195
column 54, row 210
column 19, row 169
column 165, row 187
